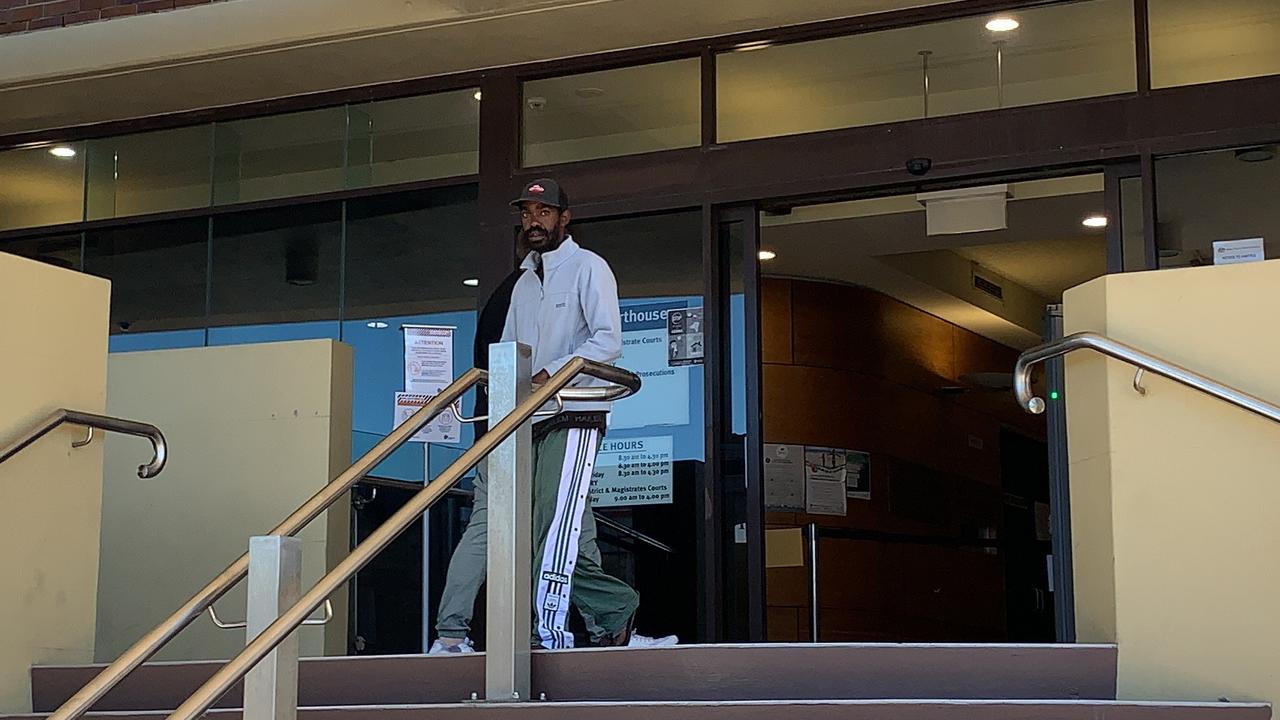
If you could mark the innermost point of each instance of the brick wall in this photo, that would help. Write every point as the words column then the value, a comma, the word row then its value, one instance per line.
column 27, row 15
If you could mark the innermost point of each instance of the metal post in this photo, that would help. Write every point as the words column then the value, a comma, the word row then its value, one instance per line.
column 275, row 584
column 508, row 593
column 924, row 71
column 813, row 582
column 1062, row 580
column 1000, row 73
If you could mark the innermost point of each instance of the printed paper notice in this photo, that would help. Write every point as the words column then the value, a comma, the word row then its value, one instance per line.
column 428, row 358
column 633, row 471
column 824, row 474
column 857, row 475
column 684, row 337
column 784, row 477
column 1233, row 252
column 443, row 429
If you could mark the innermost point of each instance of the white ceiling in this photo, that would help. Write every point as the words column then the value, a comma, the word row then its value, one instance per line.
column 246, row 50
column 883, row 244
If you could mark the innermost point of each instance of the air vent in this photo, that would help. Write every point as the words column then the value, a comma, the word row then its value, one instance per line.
column 987, row 286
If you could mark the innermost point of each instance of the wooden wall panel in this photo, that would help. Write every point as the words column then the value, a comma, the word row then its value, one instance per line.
column 848, row 367
column 775, row 321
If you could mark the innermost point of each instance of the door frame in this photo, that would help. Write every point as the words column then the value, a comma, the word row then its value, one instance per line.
column 716, row 264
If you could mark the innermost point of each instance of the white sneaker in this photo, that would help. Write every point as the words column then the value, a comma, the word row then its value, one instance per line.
column 644, row 641
column 440, row 648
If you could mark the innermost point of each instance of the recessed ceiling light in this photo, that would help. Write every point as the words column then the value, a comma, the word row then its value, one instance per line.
column 376, row 325
column 1095, row 221
column 767, row 255
column 478, row 95
column 1002, row 24
column 62, row 151
column 471, row 282
column 587, row 93
column 1256, row 154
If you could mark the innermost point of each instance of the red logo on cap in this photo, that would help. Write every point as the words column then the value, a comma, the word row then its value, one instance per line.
column 537, row 189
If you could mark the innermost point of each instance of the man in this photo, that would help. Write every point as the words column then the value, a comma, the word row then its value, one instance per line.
column 467, row 567
column 566, row 305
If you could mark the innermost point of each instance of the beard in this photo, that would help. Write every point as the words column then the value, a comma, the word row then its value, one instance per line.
column 543, row 240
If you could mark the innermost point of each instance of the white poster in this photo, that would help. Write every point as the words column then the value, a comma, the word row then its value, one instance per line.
column 784, row 477
column 428, row 358
column 664, row 393
column 1233, row 252
column 428, row 369
column 443, row 429
column 633, row 471
column 824, row 474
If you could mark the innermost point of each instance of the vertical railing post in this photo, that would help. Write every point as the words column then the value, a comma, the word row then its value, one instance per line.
column 508, row 596
column 275, row 584
column 813, row 582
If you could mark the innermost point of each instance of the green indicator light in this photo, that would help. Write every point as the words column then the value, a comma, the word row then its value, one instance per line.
column 1053, row 395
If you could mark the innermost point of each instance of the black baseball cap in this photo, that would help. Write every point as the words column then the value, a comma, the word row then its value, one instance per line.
column 545, row 191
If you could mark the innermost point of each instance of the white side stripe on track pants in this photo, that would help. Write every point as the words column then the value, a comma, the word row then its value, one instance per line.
column 560, row 553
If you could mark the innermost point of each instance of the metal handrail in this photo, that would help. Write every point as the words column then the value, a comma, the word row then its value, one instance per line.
column 600, row 519
column 1142, row 360
column 149, row 644
column 222, row 681
column 241, row 624
column 159, row 450
column 633, row 534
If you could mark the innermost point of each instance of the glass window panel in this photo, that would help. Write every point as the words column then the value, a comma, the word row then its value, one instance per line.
column 157, row 271
column 276, row 266
column 1193, row 41
column 279, row 156
column 160, row 340
column 657, row 260
column 416, row 138
column 1224, row 195
column 41, row 186
column 1132, row 232
column 407, row 257
column 612, row 112
column 149, row 172
column 409, row 253
column 60, row 250
column 1060, row 52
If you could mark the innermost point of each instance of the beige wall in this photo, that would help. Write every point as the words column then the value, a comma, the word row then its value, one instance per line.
column 253, row 430
column 1173, row 495
column 54, row 355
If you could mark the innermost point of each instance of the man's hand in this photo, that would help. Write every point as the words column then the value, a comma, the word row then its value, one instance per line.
column 541, row 377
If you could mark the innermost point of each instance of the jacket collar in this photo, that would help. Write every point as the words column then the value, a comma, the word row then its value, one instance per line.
column 553, row 258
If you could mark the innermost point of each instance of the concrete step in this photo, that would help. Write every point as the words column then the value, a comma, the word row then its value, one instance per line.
column 768, row 710
column 686, row 673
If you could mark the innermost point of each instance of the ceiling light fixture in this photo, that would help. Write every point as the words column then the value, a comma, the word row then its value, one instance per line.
column 767, row 255
column 1003, row 24
column 376, row 325
column 478, row 95
column 1262, row 153
column 1095, row 221
column 471, row 282
column 587, row 93
column 62, row 151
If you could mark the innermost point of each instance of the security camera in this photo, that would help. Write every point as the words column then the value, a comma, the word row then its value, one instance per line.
column 536, row 103
column 919, row 166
